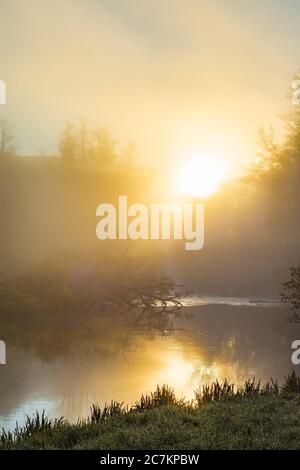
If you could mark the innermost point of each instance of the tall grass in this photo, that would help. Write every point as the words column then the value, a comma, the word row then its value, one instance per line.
column 163, row 396
column 291, row 384
column 219, row 391
column 33, row 424
column 98, row 415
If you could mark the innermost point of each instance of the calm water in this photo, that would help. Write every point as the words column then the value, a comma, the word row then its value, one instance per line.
column 215, row 338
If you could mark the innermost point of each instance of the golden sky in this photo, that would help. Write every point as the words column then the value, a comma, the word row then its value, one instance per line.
column 175, row 77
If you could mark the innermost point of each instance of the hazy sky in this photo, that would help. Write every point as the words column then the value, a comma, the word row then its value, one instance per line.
column 175, row 76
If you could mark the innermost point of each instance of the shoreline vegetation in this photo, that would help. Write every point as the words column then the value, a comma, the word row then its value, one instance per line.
column 221, row 416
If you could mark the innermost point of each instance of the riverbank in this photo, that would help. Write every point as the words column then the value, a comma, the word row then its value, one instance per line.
column 220, row 417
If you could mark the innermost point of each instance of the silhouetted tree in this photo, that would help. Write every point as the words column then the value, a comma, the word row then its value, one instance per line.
column 104, row 147
column 129, row 155
column 68, row 301
column 81, row 143
column 68, row 144
column 279, row 163
column 84, row 150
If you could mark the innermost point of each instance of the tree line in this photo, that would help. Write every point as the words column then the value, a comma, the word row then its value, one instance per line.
column 78, row 142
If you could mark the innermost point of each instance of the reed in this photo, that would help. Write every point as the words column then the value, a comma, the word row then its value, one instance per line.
column 162, row 396
column 40, row 428
column 98, row 415
column 38, row 423
column 291, row 384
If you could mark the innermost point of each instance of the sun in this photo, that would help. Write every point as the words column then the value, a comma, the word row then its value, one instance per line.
column 200, row 177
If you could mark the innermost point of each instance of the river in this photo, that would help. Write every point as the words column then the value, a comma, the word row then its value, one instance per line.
column 213, row 338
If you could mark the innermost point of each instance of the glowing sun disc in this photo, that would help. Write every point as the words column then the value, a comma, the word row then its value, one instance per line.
column 200, row 177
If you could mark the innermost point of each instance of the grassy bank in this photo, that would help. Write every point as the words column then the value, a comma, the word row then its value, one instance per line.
column 220, row 417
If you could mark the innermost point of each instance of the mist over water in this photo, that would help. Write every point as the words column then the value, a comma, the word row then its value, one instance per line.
column 149, row 239
column 204, row 343
column 74, row 332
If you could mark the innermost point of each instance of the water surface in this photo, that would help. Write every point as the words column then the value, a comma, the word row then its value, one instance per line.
column 213, row 338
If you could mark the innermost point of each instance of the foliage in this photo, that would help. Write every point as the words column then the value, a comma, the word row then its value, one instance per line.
column 162, row 396
column 109, row 411
column 291, row 294
column 96, row 147
column 291, row 384
column 278, row 164
column 70, row 301
column 250, row 417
